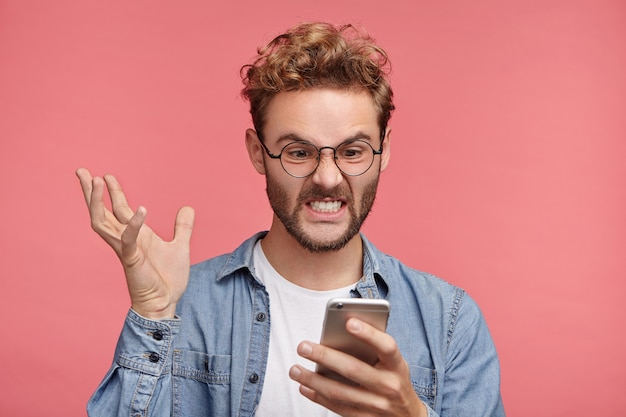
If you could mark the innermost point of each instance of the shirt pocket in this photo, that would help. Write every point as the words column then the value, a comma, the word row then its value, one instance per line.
column 201, row 383
column 424, row 382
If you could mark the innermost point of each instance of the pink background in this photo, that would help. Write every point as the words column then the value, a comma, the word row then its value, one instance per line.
column 507, row 174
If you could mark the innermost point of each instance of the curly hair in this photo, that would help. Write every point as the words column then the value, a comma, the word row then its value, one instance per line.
column 314, row 55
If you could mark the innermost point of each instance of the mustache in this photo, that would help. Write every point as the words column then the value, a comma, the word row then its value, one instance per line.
column 317, row 193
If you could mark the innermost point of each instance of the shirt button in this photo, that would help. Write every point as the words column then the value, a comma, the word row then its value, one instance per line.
column 254, row 378
column 260, row 317
column 158, row 335
column 154, row 357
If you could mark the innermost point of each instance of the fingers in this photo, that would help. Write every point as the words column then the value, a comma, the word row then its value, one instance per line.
column 93, row 191
column 343, row 399
column 130, row 234
column 347, row 366
column 184, row 225
column 333, row 395
column 389, row 356
column 385, row 345
column 85, row 183
column 383, row 389
column 109, row 225
column 97, row 210
column 120, row 227
column 120, row 207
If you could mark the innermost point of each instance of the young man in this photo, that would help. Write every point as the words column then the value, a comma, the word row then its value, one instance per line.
column 235, row 335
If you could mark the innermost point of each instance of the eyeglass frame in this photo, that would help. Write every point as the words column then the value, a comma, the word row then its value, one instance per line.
column 319, row 154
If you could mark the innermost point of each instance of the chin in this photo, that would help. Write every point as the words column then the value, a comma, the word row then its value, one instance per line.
column 321, row 245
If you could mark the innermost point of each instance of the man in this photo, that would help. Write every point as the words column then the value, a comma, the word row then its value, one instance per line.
column 235, row 335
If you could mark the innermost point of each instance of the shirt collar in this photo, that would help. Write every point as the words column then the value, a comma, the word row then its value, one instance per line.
column 373, row 284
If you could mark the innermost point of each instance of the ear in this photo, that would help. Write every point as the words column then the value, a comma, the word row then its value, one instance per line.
column 255, row 151
column 384, row 157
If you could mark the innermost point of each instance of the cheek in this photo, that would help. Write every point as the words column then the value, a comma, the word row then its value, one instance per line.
column 365, row 192
column 359, row 185
column 282, row 188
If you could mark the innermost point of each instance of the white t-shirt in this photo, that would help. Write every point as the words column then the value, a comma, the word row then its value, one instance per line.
column 296, row 314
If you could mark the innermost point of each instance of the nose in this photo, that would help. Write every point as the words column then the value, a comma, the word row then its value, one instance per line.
column 327, row 175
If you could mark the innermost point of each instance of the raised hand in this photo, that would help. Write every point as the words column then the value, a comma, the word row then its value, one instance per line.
column 384, row 389
column 156, row 271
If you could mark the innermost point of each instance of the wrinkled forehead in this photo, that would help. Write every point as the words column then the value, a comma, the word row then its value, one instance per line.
column 327, row 115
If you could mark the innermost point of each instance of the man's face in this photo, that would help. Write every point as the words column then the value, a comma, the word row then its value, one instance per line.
column 325, row 210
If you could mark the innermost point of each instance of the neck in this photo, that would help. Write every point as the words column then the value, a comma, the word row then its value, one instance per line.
column 319, row 271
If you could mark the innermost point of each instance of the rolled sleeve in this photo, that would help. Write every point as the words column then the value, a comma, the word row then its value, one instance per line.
column 145, row 344
column 141, row 372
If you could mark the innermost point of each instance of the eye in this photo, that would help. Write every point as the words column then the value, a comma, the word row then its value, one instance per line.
column 299, row 152
column 353, row 151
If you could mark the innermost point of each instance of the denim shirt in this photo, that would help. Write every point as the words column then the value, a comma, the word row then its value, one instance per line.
column 210, row 360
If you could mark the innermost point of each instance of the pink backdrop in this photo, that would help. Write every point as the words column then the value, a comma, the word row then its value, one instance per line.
column 507, row 174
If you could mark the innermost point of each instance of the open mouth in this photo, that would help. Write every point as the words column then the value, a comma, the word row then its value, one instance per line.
column 326, row 206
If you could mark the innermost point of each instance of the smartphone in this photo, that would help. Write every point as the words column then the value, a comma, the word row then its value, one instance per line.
column 334, row 334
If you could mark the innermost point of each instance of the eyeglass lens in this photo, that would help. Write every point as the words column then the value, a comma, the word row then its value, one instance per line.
column 353, row 158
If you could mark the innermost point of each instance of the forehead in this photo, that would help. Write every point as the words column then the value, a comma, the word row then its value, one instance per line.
column 322, row 116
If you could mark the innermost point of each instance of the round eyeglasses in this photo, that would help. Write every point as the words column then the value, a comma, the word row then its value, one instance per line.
column 300, row 159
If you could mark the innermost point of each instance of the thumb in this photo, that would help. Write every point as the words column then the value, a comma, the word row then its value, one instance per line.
column 184, row 224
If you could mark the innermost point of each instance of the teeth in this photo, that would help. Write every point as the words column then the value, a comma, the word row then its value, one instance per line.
column 326, row 206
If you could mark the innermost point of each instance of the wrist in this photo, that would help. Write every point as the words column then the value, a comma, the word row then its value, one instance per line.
column 151, row 314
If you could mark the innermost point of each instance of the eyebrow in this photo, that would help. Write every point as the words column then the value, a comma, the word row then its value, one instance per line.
column 293, row 137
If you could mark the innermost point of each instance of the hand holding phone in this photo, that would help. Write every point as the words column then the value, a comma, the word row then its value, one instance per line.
column 334, row 334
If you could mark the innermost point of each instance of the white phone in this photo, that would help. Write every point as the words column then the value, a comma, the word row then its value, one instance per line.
column 334, row 334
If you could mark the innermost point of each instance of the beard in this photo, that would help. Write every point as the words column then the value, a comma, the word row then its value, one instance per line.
column 279, row 200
